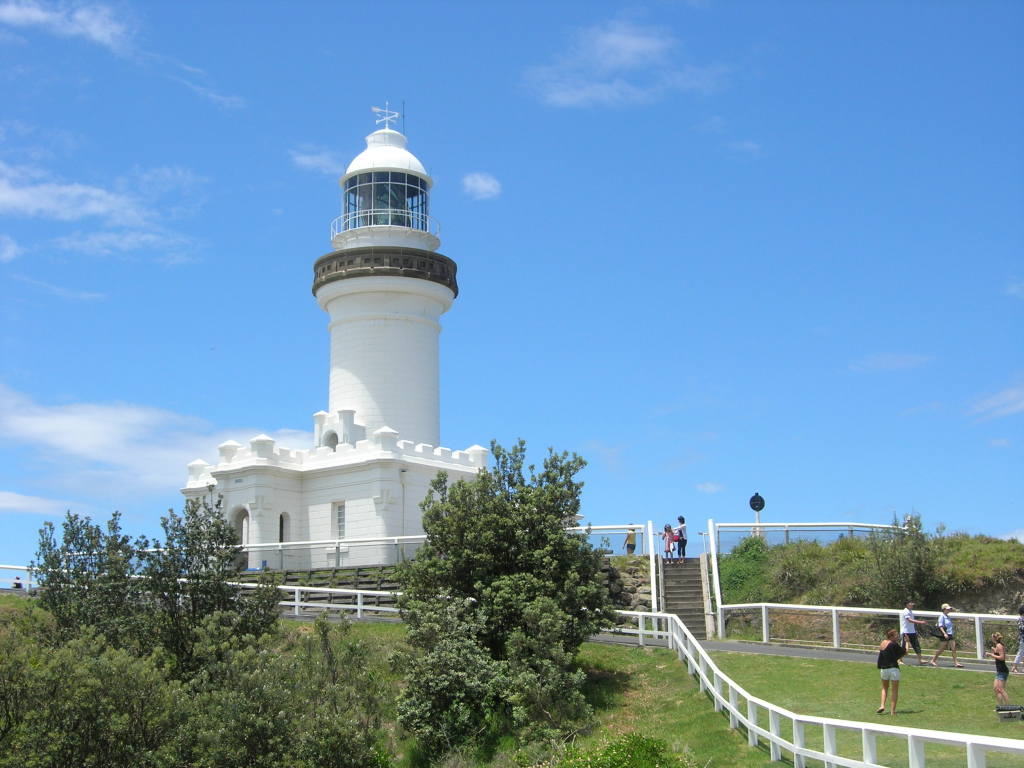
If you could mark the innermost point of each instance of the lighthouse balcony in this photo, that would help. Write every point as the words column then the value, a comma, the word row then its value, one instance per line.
column 385, row 226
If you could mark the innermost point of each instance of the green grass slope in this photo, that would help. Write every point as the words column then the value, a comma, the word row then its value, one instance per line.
column 939, row 699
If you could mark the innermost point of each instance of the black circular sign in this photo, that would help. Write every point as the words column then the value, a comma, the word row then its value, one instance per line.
column 756, row 502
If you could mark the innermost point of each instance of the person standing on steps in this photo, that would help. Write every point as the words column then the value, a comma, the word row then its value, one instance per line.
column 669, row 537
column 680, row 533
column 630, row 541
column 908, row 626
column 945, row 625
column 889, row 653
column 998, row 653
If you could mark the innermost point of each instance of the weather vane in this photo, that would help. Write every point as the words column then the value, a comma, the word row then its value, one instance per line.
column 387, row 115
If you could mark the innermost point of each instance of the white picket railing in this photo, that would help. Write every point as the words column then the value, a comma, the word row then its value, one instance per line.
column 835, row 612
column 745, row 709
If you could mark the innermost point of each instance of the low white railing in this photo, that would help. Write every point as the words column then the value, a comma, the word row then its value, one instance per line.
column 744, row 709
column 385, row 217
column 358, row 606
column 835, row 612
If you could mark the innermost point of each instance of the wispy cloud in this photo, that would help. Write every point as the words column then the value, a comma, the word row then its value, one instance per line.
column 710, row 488
column 9, row 250
column 310, row 157
column 619, row 64
column 713, row 124
column 1000, row 442
column 1017, row 534
column 224, row 101
column 165, row 247
column 60, row 291
column 95, row 23
column 1015, row 288
column 610, row 455
column 744, row 145
column 1006, row 402
column 66, row 201
column 92, row 446
column 889, row 362
column 481, row 185
column 17, row 503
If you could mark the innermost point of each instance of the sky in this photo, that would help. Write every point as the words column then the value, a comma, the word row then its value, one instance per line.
column 713, row 247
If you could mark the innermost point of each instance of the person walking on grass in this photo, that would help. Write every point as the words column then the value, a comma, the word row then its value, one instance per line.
column 908, row 626
column 998, row 653
column 1020, row 640
column 889, row 653
column 945, row 625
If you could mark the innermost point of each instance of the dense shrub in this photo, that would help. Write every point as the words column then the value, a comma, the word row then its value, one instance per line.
column 629, row 751
column 744, row 572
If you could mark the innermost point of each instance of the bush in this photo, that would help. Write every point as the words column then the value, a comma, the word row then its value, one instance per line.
column 629, row 751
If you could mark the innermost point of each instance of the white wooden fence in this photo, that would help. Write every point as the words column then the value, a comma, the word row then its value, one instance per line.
column 747, row 710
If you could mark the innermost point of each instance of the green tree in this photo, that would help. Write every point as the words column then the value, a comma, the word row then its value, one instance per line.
column 497, row 602
column 906, row 563
column 88, row 579
column 192, row 574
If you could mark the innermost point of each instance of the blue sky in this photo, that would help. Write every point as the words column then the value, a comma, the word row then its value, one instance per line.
column 715, row 248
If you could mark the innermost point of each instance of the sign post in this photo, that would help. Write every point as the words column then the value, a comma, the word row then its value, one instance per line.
column 757, row 504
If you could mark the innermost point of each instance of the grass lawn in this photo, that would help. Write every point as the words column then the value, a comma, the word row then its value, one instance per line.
column 939, row 699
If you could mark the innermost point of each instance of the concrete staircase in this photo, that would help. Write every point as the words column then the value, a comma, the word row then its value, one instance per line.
column 684, row 595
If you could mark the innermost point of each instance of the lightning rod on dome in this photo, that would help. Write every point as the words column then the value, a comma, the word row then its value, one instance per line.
column 387, row 115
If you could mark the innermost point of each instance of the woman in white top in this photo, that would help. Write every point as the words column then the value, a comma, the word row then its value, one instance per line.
column 945, row 625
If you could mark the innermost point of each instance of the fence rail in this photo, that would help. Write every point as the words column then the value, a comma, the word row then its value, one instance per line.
column 835, row 613
column 747, row 710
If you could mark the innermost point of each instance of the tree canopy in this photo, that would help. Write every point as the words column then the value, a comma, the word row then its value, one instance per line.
column 498, row 601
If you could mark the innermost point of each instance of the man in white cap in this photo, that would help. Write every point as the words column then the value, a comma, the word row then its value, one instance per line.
column 945, row 625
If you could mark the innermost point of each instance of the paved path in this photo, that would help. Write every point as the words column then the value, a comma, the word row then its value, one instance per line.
column 831, row 654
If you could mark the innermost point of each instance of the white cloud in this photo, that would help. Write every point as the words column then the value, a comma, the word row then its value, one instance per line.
column 313, row 158
column 1006, row 402
column 617, row 64
column 1018, row 535
column 59, row 290
column 889, row 362
column 481, row 186
column 221, row 100
column 18, row 503
column 609, row 455
column 710, row 488
column 745, row 145
column 92, row 447
column 1015, row 289
column 1000, row 442
column 95, row 23
column 9, row 250
column 66, row 201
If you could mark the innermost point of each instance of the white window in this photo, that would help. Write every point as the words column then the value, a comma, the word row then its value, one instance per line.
column 339, row 520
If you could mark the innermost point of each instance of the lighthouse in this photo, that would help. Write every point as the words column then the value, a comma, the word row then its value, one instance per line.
column 352, row 498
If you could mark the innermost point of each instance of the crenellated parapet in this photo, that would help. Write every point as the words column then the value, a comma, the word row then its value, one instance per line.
column 350, row 447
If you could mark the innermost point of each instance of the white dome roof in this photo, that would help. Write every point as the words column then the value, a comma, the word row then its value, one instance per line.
column 385, row 150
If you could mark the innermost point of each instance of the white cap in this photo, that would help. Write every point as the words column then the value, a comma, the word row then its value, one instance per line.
column 385, row 150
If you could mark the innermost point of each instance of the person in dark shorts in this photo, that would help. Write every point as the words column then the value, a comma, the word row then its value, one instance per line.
column 680, row 532
column 908, row 626
column 630, row 541
column 998, row 653
column 889, row 653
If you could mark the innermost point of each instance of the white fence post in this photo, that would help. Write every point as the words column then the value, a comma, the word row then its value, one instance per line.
column 975, row 756
column 653, row 567
column 835, row 628
column 718, row 693
column 774, row 726
column 734, row 705
column 713, row 544
column 830, row 748
column 751, row 723
column 359, row 605
column 765, row 632
column 979, row 637
column 915, row 752
column 298, row 591
column 869, row 746
column 640, row 630
column 798, row 741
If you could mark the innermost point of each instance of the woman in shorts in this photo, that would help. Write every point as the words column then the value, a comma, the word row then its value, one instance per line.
column 998, row 653
column 889, row 653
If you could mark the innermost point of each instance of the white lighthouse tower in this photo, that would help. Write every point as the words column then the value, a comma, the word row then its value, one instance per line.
column 352, row 497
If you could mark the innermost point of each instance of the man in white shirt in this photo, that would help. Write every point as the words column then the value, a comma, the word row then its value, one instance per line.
column 909, row 629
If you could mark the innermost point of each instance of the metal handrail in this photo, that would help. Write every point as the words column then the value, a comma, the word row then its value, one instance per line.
column 385, row 217
column 726, row 695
